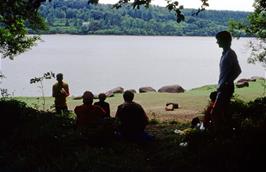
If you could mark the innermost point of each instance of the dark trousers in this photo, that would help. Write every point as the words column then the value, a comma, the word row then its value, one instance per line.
column 222, row 116
column 60, row 109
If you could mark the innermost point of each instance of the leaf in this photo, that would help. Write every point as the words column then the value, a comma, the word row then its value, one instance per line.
column 93, row 2
column 176, row 3
column 180, row 18
column 170, row 7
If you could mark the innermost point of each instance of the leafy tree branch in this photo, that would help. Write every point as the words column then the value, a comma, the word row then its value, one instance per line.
column 256, row 26
column 16, row 17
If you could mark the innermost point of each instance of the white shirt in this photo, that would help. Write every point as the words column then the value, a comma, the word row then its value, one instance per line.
column 229, row 68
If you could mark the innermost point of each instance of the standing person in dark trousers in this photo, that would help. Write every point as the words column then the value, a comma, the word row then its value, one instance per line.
column 229, row 71
column 60, row 92
column 104, row 105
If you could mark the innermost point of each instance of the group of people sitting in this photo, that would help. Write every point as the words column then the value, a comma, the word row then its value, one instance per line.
column 130, row 118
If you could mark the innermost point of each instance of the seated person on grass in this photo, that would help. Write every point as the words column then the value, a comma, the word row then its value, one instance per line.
column 207, row 120
column 89, row 115
column 104, row 105
column 132, row 119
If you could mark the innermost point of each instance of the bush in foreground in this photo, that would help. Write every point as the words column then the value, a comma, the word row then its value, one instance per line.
column 33, row 140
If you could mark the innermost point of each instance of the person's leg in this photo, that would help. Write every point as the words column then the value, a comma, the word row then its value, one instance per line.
column 65, row 110
column 222, row 116
column 58, row 109
column 217, row 113
column 227, row 110
column 61, row 110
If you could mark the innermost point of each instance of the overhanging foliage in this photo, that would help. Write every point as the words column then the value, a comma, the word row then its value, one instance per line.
column 256, row 26
column 15, row 17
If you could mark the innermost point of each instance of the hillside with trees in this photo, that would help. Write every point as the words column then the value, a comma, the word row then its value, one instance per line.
column 79, row 17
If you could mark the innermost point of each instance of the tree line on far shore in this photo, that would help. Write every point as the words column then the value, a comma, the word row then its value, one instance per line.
column 77, row 17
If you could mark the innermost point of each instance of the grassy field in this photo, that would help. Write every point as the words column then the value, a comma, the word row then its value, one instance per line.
column 191, row 103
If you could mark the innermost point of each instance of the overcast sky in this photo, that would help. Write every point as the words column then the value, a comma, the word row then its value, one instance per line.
column 236, row 5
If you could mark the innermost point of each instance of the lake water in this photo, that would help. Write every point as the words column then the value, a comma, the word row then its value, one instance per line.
column 100, row 63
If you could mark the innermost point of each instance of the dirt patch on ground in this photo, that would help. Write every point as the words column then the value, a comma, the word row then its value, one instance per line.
column 159, row 113
column 180, row 115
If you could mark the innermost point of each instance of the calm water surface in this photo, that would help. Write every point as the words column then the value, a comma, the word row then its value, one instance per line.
column 100, row 63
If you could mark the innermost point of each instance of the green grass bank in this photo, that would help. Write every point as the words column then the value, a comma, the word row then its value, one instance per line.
column 191, row 102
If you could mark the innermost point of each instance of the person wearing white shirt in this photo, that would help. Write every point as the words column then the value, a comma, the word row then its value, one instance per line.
column 229, row 71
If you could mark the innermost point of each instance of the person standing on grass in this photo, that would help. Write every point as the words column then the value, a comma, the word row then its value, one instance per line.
column 229, row 71
column 60, row 92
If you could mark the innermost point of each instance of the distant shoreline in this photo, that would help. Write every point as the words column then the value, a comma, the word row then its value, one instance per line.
column 120, row 35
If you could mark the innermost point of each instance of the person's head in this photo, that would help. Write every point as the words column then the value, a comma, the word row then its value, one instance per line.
column 102, row 97
column 213, row 96
column 128, row 96
column 224, row 39
column 87, row 97
column 59, row 77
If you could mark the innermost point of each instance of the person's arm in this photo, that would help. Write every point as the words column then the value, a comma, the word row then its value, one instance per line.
column 145, row 118
column 66, row 89
column 108, row 110
column 236, row 71
column 77, row 117
column 118, row 113
column 54, row 91
column 100, row 111
column 117, row 124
